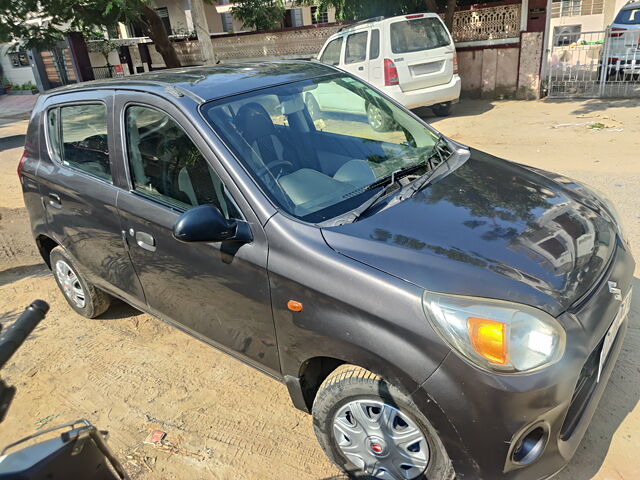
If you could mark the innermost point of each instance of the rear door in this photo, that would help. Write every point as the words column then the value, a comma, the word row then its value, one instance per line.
column 422, row 50
column 216, row 291
column 76, row 172
column 355, row 54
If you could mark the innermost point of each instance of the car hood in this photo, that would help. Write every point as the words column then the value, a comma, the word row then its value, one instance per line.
column 490, row 228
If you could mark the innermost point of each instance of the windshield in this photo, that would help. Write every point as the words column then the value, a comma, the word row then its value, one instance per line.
column 322, row 147
column 628, row 16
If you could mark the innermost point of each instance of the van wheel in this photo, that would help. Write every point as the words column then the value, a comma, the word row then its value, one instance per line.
column 370, row 429
column 442, row 109
column 378, row 120
column 81, row 295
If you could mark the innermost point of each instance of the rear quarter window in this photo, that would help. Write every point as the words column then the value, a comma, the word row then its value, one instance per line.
column 629, row 16
column 418, row 35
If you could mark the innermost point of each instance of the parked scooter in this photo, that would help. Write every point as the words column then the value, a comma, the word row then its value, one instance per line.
column 78, row 451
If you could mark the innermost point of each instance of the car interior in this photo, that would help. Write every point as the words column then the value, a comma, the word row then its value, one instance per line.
column 305, row 167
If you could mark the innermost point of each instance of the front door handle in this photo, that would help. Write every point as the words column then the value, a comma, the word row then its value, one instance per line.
column 54, row 200
column 360, row 68
column 146, row 241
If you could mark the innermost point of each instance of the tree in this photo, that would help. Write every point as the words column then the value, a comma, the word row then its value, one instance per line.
column 51, row 19
column 260, row 14
column 103, row 46
column 348, row 10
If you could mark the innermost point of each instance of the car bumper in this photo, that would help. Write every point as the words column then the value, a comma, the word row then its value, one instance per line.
column 481, row 417
column 425, row 97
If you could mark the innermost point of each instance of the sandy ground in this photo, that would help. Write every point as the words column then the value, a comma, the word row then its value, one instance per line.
column 130, row 373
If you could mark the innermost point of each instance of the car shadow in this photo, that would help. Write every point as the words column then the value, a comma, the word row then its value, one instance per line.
column 12, row 141
column 598, row 105
column 619, row 400
column 119, row 310
column 467, row 107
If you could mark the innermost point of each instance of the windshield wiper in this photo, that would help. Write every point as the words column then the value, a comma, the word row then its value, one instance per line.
column 418, row 184
column 356, row 213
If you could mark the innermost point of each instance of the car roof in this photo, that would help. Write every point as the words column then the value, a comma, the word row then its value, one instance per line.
column 210, row 82
column 372, row 22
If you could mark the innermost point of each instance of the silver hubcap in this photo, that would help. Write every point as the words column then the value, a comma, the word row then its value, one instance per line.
column 380, row 440
column 375, row 117
column 70, row 283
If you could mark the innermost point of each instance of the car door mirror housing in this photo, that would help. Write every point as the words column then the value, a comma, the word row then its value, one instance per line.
column 205, row 224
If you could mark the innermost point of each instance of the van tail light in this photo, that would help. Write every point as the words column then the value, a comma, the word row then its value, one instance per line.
column 617, row 32
column 21, row 164
column 455, row 62
column 390, row 73
column 411, row 17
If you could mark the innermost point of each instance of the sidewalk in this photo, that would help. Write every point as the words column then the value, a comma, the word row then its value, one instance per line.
column 16, row 107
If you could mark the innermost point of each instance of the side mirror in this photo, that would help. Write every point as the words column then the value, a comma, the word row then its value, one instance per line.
column 205, row 224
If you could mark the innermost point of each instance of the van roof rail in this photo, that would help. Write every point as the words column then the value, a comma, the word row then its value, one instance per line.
column 361, row 22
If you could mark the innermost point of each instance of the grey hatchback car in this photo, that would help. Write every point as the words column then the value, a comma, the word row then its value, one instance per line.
column 439, row 311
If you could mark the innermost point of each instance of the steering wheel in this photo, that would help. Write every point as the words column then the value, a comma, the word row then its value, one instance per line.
column 278, row 168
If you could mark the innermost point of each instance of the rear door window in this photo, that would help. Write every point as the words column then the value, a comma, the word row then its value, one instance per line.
column 78, row 138
column 331, row 54
column 629, row 16
column 417, row 35
column 356, row 49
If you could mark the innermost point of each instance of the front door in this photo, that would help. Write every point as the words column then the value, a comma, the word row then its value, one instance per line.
column 218, row 291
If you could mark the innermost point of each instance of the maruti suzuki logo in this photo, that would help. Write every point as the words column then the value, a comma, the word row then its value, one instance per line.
column 616, row 292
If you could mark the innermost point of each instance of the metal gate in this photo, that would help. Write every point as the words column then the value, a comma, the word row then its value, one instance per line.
column 595, row 64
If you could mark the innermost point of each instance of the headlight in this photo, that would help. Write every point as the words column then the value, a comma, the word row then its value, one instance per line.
column 494, row 334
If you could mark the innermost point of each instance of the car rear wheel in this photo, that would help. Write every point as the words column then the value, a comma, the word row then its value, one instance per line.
column 370, row 429
column 81, row 295
column 378, row 120
column 442, row 109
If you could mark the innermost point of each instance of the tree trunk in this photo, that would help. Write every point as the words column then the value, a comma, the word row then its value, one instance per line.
column 431, row 5
column 448, row 16
column 156, row 32
column 202, row 30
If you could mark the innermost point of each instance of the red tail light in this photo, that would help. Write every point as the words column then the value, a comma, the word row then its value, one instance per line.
column 617, row 32
column 390, row 73
column 455, row 62
column 411, row 17
column 21, row 164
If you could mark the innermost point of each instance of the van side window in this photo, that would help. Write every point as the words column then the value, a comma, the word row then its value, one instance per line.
column 83, row 137
column 374, row 48
column 356, row 49
column 331, row 54
column 167, row 166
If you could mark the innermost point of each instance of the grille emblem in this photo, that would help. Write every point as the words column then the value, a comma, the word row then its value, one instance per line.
column 616, row 292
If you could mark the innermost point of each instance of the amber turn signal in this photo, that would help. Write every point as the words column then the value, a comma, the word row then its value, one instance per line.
column 488, row 338
column 294, row 306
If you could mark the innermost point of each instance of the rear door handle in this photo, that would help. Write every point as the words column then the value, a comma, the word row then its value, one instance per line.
column 360, row 68
column 54, row 200
column 146, row 241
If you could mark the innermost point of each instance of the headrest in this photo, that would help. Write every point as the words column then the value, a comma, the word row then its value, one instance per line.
column 254, row 122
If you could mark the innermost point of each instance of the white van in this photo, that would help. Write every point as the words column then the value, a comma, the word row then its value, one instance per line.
column 411, row 58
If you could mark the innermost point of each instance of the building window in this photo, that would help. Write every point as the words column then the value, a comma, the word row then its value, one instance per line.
column 163, row 13
column 293, row 18
column 570, row 8
column 19, row 59
column 319, row 15
column 565, row 35
column 227, row 22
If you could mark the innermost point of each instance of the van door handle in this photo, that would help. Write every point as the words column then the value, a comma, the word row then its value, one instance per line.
column 360, row 68
column 54, row 200
column 146, row 241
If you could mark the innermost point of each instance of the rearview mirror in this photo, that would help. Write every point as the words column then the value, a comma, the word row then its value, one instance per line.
column 205, row 223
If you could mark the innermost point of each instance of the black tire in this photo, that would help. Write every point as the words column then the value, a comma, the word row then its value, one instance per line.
column 378, row 120
column 313, row 107
column 348, row 383
column 96, row 302
column 442, row 109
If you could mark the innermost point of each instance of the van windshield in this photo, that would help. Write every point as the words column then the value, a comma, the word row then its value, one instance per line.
column 417, row 35
column 322, row 147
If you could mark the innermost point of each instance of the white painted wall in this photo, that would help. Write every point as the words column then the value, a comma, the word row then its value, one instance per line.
column 15, row 75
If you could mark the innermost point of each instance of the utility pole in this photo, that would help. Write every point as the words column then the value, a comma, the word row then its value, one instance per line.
column 202, row 31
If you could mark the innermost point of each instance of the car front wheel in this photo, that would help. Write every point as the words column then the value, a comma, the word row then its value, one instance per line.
column 370, row 429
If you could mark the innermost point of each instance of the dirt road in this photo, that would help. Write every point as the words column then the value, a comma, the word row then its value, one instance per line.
column 129, row 373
